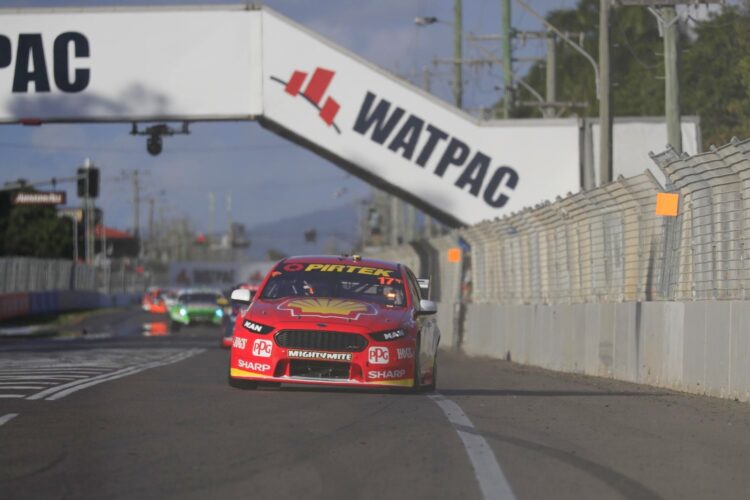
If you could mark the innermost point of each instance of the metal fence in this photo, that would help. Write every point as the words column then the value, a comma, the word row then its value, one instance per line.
column 23, row 274
column 607, row 244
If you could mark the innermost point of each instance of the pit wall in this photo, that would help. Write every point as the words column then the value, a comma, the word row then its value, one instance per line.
column 596, row 283
column 29, row 304
column 699, row 347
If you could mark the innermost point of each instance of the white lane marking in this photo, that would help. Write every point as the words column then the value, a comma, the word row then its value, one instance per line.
column 492, row 481
column 7, row 418
column 4, row 387
column 38, row 377
column 11, row 395
column 61, row 391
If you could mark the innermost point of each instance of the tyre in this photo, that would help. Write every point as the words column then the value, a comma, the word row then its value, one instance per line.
column 239, row 383
column 432, row 385
column 417, row 387
column 174, row 326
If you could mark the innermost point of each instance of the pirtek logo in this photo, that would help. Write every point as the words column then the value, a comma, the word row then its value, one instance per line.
column 313, row 92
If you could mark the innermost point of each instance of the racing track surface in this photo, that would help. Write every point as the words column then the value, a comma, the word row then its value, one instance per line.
column 175, row 429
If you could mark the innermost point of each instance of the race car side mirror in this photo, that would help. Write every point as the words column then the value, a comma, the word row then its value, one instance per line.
column 427, row 307
column 241, row 295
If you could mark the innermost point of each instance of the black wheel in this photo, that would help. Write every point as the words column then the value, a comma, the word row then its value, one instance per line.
column 432, row 385
column 174, row 326
column 417, row 387
column 239, row 383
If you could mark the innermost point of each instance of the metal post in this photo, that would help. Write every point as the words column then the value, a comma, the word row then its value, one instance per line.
column 551, row 95
column 73, row 219
column 671, row 82
column 151, row 202
column 87, row 215
column 212, row 215
column 507, row 61
column 457, row 55
column 104, row 240
column 411, row 223
column 396, row 219
column 605, row 104
column 136, row 205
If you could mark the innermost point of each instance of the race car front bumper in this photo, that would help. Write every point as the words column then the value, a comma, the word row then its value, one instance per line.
column 261, row 358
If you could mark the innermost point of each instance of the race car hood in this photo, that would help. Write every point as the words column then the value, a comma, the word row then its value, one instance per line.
column 331, row 312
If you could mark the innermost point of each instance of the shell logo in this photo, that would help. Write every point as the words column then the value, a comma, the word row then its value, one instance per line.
column 327, row 307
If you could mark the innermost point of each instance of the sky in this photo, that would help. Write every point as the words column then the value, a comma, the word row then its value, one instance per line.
column 243, row 161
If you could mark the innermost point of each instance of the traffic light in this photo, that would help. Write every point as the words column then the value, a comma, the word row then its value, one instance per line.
column 91, row 176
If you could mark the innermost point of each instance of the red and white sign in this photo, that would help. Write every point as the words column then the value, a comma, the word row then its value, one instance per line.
column 262, row 348
column 378, row 355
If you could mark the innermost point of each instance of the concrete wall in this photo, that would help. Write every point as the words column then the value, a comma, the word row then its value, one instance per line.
column 18, row 305
column 699, row 347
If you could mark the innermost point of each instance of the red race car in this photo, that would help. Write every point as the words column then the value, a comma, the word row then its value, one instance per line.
column 336, row 320
column 153, row 301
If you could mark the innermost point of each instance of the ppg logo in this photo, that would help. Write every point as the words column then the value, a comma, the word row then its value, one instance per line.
column 30, row 62
column 262, row 348
column 378, row 355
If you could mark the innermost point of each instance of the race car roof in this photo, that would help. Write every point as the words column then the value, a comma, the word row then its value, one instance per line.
column 337, row 259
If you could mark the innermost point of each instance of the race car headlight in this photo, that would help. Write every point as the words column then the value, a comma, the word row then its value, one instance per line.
column 391, row 335
column 219, row 313
column 183, row 311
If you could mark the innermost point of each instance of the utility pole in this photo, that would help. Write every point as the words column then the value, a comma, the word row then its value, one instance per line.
column 507, row 34
column 212, row 213
column 551, row 80
column 671, row 81
column 151, row 202
column 667, row 18
column 88, row 215
column 136, row 205
column 605, row 104
column 457, row 55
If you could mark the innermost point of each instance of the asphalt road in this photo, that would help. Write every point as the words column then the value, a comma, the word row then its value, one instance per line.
column 127, row 416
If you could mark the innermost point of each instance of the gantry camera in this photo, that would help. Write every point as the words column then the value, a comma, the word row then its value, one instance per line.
column 155, row 143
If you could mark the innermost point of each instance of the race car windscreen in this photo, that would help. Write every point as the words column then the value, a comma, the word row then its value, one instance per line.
column 199, row 298
column 368, row 284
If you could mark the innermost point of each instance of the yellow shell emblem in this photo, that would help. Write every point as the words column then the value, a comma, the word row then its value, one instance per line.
column 327, row 307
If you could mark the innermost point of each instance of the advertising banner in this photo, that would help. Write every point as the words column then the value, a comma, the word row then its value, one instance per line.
column 127, row 64
column 388, row 131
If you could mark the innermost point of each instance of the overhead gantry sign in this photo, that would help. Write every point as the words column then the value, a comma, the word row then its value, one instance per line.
column 240, row 63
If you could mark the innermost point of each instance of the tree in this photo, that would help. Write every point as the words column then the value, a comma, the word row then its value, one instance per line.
column 714, row 68
column 274, row 254
column 715, row 76
column 37, row 231
column 635, row 61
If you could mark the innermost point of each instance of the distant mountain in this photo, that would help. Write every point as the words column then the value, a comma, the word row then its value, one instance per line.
column 336, row 231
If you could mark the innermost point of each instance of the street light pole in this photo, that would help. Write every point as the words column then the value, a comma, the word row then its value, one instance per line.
column 507, row 34
column 457, row 55
column 605, row 103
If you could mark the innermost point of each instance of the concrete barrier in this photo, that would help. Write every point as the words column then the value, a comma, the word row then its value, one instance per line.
column 699, row 347
column 19, row 305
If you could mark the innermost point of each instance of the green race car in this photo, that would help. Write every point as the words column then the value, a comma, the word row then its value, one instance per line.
column 197, row 306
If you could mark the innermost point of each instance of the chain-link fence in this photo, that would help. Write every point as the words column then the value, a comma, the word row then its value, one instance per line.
column 607, row 244
column 22, row 274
